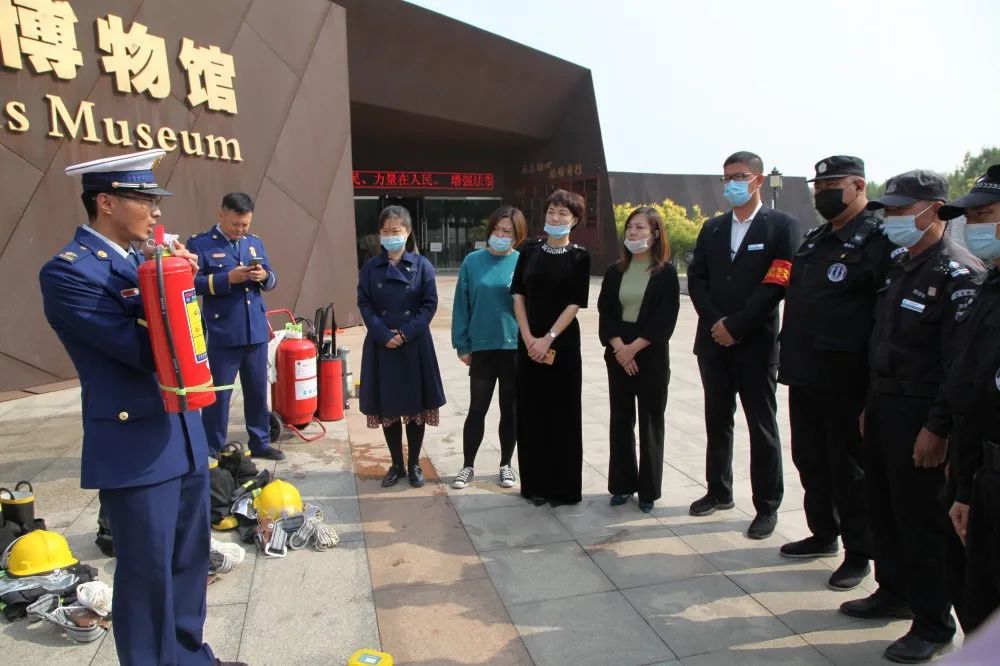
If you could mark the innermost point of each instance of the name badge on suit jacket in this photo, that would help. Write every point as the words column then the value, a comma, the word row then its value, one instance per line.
column 754, row 247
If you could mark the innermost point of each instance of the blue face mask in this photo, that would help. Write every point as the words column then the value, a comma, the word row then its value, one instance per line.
column 557, row 231
column 737, row 192
column 981, row 239
column 501, row 243
column 902, row 229
column 393, row 243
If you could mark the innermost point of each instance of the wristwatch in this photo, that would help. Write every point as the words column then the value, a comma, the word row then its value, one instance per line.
column 551, row 335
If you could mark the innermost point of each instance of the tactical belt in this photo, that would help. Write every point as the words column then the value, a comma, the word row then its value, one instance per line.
column 902, row 387
column 991, row 456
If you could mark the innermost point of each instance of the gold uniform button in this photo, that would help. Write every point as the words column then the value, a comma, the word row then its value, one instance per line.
column 123, row 416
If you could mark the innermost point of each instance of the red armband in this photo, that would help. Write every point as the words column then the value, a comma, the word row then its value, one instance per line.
column 779, row 273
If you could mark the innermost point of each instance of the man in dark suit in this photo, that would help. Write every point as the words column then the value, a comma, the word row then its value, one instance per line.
column 738, row 275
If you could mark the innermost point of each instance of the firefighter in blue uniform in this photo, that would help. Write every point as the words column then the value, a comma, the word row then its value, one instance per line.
column 233, row 273
column 149, row 465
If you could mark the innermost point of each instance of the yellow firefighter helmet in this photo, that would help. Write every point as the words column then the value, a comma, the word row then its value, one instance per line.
column 278, row 498
column 39, row 552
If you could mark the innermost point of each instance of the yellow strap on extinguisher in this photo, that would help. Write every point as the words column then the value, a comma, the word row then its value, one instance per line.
column 200, row 388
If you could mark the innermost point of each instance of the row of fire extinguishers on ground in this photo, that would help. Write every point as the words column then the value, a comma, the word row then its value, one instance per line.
column 310, row 375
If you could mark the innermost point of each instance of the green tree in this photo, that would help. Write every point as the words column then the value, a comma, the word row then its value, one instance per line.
column 961, row 179
column 682, row 226
column 875, row 190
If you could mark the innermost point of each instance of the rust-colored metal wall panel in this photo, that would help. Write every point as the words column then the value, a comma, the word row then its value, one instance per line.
column 214, row 23
column 16, row 373
column 291, row 34
column 311, row 133
column 31, row 88
column 275, row 66
column 288, row 232
column 330, row 276
column 17, row 185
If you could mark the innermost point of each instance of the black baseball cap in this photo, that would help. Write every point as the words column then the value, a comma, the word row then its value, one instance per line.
column 911, row 187
column 984, row 192
column 839, row 166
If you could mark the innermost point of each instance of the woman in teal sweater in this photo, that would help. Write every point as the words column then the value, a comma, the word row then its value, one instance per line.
column 484, row 333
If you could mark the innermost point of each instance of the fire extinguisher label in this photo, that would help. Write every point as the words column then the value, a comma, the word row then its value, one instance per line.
column 305, row 367
column 195, row 326
column 305, row 389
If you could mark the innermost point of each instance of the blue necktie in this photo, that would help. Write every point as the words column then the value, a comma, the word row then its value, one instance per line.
column 236, row 246
column 133, row 258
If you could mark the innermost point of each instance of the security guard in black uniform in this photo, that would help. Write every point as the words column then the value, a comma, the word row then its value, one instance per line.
column 907, row 419
column 973, row 390
column 829, row 314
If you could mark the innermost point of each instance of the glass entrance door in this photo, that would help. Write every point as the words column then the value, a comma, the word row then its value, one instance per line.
column 447, row 228
column 455, row 226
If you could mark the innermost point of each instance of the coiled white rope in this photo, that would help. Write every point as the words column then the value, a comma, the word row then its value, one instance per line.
column 225, row 556
column 313, row 531
column 95, row 595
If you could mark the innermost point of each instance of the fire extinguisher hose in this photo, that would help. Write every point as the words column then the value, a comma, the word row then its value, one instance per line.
column 181, row 391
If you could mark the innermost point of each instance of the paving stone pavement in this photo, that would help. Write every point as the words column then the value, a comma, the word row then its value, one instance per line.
column 479, row 576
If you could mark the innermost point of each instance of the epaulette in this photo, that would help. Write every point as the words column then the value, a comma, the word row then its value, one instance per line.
column 73, row 253
column 254, row 236
column 195, row 235
column 957, row 270
column 814, row 231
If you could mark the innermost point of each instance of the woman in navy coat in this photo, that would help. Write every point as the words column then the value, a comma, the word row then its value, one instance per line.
column 400, row 379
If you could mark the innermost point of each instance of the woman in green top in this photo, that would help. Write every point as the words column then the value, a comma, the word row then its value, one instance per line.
column 637, row 310
column 484, row 333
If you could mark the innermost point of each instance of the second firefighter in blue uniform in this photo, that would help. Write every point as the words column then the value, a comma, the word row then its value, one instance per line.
column 233, row 274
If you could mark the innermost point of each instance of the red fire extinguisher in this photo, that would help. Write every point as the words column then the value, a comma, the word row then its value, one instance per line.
column 294, row 394
column 176, row 333
column 331, row 382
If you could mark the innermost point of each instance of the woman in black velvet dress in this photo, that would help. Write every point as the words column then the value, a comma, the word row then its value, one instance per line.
column 550, row 285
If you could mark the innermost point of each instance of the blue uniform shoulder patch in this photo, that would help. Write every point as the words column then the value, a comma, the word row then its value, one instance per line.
column 73, row 253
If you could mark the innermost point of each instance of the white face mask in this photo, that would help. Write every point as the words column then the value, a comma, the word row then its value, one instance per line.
column 956, row 228
column 638, row 246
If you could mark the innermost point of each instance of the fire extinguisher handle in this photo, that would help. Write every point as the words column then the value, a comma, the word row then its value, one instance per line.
column 285, row 311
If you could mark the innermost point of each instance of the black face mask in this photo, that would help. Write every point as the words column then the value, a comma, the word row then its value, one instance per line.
column 830, row 203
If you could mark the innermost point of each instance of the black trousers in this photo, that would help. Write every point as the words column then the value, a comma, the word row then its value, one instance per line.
column 827, row 452
column 487, row 369
column 723, row 377
column 907, row 512
column 955, row 560
column 646, row 391
column 550, row 426
column 982, row 547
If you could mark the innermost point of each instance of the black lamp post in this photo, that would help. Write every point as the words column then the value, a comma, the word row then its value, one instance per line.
column 774, row 180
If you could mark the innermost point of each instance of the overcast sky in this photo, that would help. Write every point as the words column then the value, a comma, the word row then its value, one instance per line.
column 680, row 85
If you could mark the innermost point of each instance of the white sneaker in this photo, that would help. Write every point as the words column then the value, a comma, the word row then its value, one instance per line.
column 507, row 477
column 462, row 478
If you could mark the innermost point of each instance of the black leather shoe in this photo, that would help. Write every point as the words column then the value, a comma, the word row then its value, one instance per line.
column 270, row 453
column 708, row 505
column 416, row 476
column 849, row 574
column 875, row 606
column 393, row 476
column 911, row 649
column 645, row 507
column 618, row 500
column 762, row 526
column 810, row 547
